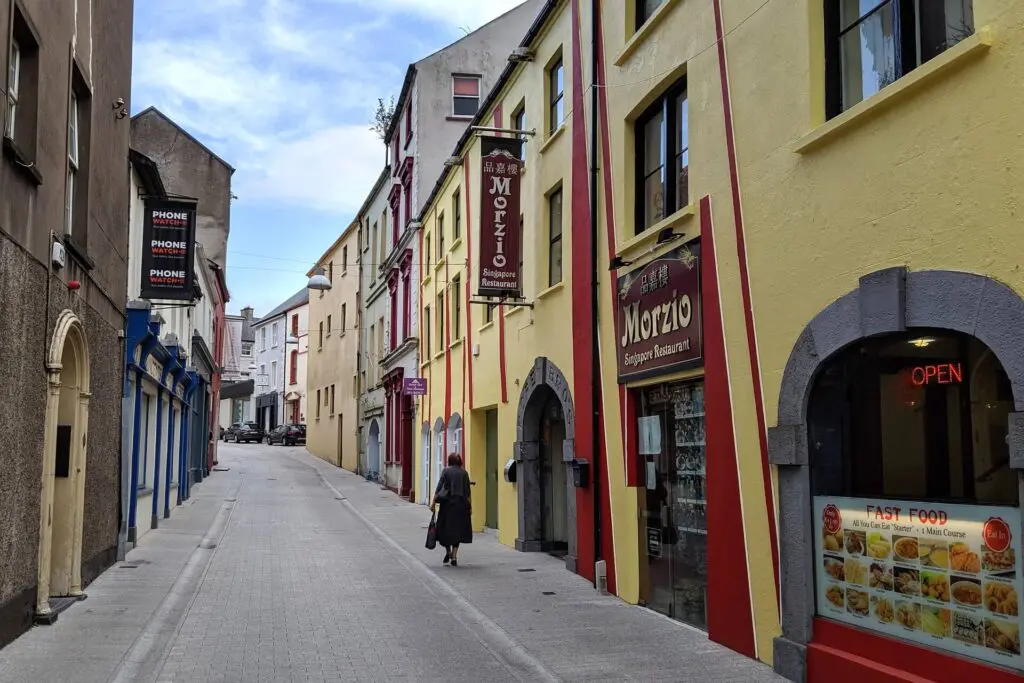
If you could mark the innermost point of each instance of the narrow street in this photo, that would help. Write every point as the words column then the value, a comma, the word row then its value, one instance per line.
column 283, row 568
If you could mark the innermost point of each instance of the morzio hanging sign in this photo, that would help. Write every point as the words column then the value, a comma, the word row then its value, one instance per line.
column 168, row 249
column 499, row 217
column 659, row 316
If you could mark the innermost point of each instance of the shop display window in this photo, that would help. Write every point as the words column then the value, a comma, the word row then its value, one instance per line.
column 915, row 508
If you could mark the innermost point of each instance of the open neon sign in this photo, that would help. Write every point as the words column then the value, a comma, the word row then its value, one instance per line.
column 939, row 373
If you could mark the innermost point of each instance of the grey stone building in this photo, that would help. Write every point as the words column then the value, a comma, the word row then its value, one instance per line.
column 63, row 273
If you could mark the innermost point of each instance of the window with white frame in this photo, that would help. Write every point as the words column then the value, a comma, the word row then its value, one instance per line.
column 273, row 335
column 465, row 95
column 69, row 202
column 273, row 373
column 263, row 339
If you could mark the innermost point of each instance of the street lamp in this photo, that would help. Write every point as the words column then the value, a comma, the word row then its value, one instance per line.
column 319, row 280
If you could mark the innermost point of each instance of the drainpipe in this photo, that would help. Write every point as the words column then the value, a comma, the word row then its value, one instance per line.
column 595, row 12
column 183, row 451
column 126, row 412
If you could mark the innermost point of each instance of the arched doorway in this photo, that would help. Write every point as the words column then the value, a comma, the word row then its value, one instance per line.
column 454, row 444
column 373, row 448
column 62, row 499
column 544, row 453
column 903, row 396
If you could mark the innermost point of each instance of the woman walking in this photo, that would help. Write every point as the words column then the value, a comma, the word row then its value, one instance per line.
column 454, row 523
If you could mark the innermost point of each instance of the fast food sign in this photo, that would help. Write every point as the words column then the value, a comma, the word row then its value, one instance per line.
column 659, row 316
column 945, row 576
column 499, row 217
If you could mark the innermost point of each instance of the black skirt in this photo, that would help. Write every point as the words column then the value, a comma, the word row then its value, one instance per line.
column 454, row 526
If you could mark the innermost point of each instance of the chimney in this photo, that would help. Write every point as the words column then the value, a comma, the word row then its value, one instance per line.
column 247, row 313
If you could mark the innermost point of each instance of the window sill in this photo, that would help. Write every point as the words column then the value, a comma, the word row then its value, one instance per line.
column 439, row 355
column 438, row 265
column 426, row 277
column 78, row 251
column 21, row 162
column 453, row 117
column 953, row 58
column 455, row 344
column 485, row 326
column 456, row 244
column 550, row 291
column 552, row 138
column 514, row 310
column 644, row 32
column 646, row 242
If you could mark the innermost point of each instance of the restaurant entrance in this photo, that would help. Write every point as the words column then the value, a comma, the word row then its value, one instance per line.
column 674, row 519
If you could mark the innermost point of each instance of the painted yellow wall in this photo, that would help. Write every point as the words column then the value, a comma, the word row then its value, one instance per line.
column 528, row 333
column 334, row 362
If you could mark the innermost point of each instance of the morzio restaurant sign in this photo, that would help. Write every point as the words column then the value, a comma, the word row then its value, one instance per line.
column 168, row 249
column 659, row 320
column 499, row 217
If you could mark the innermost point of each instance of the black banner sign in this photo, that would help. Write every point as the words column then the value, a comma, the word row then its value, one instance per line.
column 168, row 249
column 499, row 217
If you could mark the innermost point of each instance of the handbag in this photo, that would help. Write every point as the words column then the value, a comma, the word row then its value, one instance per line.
column 443, row 491
column 432, row 532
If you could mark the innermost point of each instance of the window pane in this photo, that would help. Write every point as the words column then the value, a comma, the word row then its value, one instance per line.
column 73, row 131
column 654, row 200
column 466, row 106
column 943, row 24
column 645, row 8
column 556, row 214
column 869, row 56
column 682, row 154
column 555, row 227
column 852, row 10
column 654, row 132
column 462, row 85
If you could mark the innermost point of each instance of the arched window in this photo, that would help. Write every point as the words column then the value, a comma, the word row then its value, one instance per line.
column 921, row 415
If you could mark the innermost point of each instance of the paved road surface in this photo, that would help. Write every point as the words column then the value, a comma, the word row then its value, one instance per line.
column 287, row 569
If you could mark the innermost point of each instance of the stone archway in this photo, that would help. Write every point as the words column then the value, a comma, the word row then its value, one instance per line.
column 544, row 381
column 885, row 302
column 62, row 499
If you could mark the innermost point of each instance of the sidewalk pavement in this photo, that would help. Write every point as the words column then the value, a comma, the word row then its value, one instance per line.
column 286, row 568
column 555, row 615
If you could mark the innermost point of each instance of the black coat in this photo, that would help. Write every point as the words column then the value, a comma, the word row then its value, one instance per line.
column 454, row 525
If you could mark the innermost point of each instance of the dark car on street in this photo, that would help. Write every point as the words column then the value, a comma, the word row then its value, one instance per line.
column 244, row 432
column 289, row 435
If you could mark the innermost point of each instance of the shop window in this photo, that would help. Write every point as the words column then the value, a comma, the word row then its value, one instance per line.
column 870, row 44
column 662, row 158
column 671, row 435
column 645, row 9
column 915, row 504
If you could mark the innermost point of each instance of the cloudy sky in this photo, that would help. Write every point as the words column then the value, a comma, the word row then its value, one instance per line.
column 284, row 90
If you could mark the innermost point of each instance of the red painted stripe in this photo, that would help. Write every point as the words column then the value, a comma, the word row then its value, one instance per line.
column 748, row 308
column 584, row 382
column 447, row 348
column 609, row 199
column 468, row 369
column 502, row 371
column 730, row 620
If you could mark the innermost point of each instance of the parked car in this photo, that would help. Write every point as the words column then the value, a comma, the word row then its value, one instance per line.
column 289, row 435
column 247, row 432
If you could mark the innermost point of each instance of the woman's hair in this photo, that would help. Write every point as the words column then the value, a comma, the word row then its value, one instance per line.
column 454, row 460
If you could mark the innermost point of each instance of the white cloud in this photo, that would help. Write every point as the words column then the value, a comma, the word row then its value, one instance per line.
column 471, row 14
column 331, row 169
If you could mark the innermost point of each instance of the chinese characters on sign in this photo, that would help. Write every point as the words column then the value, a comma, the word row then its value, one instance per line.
column 499, row 217
column 938, row 574
column 659, row 315
column 168, row 248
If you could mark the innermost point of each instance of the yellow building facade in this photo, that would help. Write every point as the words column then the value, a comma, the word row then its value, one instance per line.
column 822, row 225
column 332, row 385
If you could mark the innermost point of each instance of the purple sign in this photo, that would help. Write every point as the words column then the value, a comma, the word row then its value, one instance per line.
column 414, row 386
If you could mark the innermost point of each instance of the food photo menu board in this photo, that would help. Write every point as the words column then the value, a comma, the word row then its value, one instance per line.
column 944, row 576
